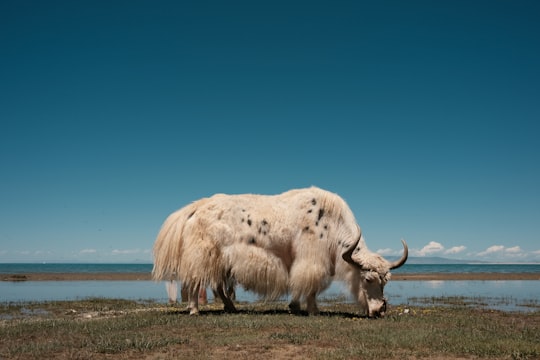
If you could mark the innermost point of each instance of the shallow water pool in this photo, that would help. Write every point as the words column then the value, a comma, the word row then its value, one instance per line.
column 511, row 295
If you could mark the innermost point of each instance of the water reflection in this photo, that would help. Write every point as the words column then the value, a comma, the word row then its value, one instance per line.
column 435, row 284
column 72, row 290
column 515, row 295
column 504, row 295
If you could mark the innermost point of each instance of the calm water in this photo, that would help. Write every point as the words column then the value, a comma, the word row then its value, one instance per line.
column 74, row 268
column 514, row 295
column 146, row 268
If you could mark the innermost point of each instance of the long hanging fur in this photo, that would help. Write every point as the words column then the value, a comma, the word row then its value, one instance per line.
column 172, row 291
column 257, row 270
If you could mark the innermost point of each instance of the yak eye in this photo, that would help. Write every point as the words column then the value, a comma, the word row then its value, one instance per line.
column 372, row 277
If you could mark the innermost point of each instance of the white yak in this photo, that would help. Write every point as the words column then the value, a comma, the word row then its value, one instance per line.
column 293, row 243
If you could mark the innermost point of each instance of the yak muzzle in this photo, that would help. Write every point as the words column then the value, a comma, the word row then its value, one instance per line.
column 379, row 312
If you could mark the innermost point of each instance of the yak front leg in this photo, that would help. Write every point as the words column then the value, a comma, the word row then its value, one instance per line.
column 227, row 302
column 294, row 305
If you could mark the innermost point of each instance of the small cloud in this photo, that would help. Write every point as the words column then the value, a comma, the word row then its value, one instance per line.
column 126, row 251
column 386, row 252
column 88, row 251
column 431, row 248
column 42, row 252
column 455, row 249
column 491, row 250
column 513, row 250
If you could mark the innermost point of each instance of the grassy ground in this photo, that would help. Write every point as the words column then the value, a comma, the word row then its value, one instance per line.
column 122, row 329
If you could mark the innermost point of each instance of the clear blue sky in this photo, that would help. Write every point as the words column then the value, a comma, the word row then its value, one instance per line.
column 424, row 116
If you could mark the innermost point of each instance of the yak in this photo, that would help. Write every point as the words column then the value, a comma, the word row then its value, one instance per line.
column 295, row 243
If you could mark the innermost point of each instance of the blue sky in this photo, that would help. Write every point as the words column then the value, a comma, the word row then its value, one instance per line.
column 424, row 116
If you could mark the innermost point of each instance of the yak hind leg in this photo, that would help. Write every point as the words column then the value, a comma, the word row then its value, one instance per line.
column 203, row 297
column 312, row 308
column 231, row 293
column 228, row 305
column 193, row 304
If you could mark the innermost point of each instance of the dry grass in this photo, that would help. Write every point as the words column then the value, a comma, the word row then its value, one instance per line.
column 121, row 329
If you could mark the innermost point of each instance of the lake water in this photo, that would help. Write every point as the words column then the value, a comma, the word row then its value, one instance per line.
column 147, row 268
column 510, row 295
column 513, row 295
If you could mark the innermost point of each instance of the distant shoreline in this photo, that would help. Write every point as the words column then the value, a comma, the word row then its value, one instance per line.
column 134, row 276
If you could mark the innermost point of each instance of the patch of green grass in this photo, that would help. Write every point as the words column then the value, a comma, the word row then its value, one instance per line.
column 121, row 329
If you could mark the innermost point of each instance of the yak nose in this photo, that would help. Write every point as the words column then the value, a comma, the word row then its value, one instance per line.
column 380, row 312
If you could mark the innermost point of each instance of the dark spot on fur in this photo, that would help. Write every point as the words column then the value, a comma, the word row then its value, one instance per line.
column 308, row 230
column 325, row 227
column 252, row 241
column 243, row 210
column 264, row 232
column 249, row 222
column 316, row 223
column 243, row 219
column 264, row 222
column 313, row 201
column 321, row 214
column 190, row 215
column 260, row 230
column 321, row 236
column 309, row 211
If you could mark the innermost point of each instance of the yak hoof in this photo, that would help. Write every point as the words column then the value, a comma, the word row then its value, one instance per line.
column 294, row 306
column 314, row 312
column 230, row 309
column 193, row 311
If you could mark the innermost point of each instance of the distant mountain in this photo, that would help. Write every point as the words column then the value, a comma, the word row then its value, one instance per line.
column 141, row 261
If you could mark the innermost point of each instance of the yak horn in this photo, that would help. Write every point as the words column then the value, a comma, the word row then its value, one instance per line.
column 347, row 255
column 400, row 262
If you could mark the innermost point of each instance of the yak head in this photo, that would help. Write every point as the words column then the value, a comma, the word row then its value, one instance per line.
column 370, row 273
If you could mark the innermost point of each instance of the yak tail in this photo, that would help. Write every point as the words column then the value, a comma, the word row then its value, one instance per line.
column 169, row 244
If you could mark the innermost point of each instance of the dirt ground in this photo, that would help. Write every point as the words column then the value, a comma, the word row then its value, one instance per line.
column 147, row 276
